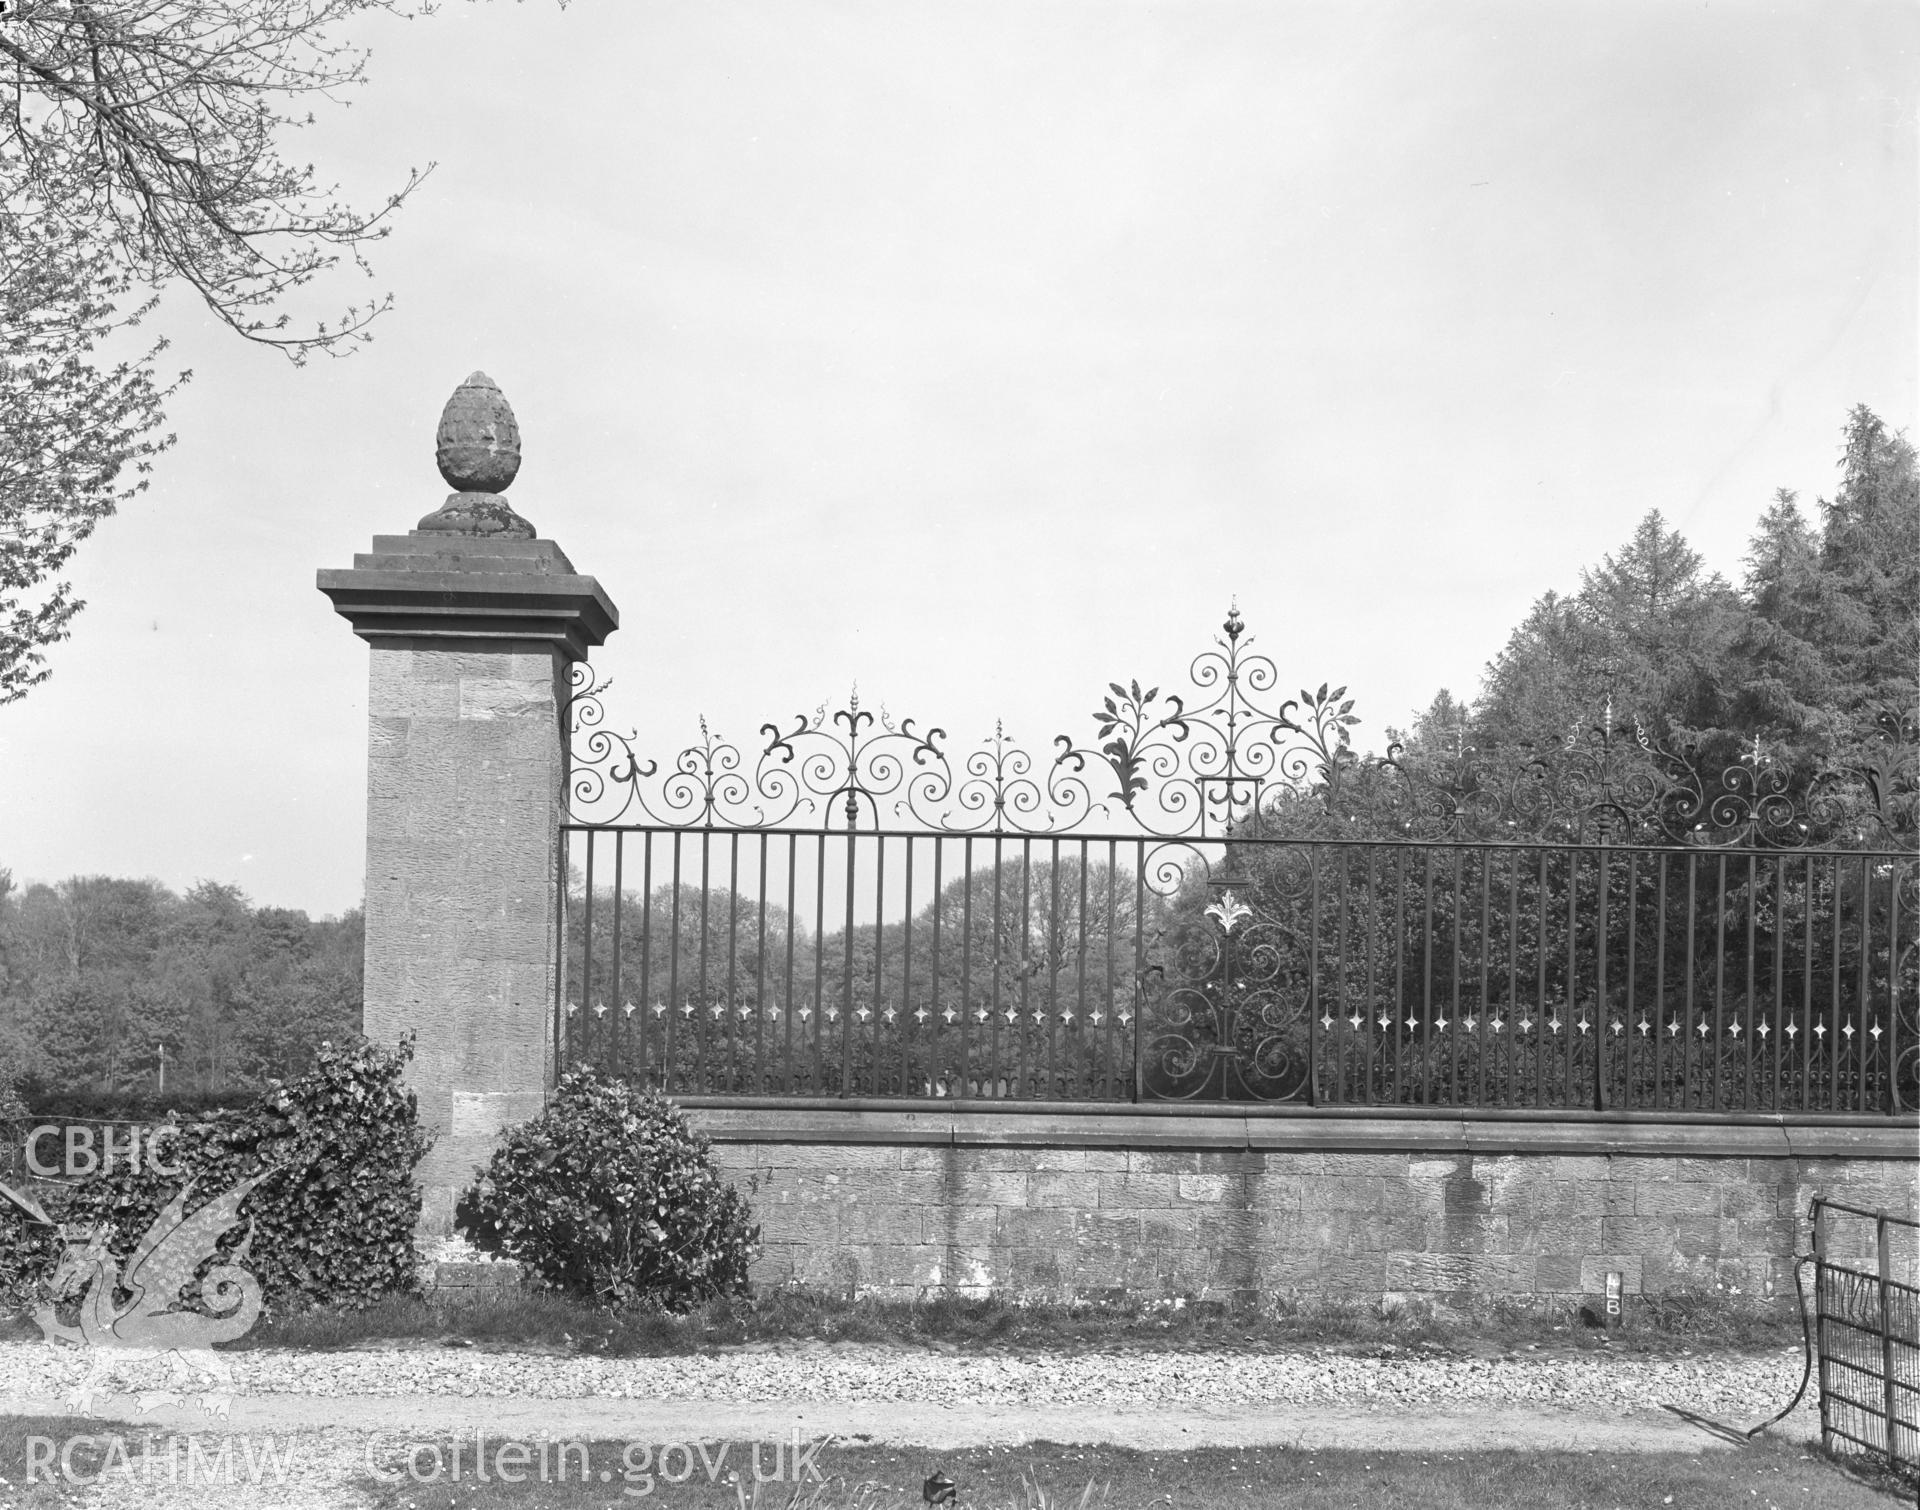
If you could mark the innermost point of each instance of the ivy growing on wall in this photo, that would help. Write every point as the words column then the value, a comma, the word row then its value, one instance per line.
column 333, row 1221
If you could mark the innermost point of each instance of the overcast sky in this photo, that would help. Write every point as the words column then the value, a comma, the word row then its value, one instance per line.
column 980, row 352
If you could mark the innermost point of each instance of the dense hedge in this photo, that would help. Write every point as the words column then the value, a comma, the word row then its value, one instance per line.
column 44, row 1104
column 333, row 1224
column 609, row 1196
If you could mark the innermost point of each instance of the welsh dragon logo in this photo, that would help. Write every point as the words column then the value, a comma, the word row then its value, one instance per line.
column 153, row 1325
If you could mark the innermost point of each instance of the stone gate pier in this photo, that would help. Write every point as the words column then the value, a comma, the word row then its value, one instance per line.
column 472, row 621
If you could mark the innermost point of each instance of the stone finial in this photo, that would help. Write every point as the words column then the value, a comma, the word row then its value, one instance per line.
column 478, row 443
column 478, row 450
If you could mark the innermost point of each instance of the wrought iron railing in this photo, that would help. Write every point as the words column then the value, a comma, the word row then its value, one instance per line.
column 1088, row 967
column 1216, row 902
column 1867, row 1330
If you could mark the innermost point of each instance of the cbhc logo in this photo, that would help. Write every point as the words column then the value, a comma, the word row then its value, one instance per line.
column 77, row 1144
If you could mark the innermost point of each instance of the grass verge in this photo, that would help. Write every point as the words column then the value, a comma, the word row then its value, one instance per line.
column 1654, row 1325
column 1767, row 1476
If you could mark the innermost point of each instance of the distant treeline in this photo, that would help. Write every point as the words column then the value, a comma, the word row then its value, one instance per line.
column 99, row 975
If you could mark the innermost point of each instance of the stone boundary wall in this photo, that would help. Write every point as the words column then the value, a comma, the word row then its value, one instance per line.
column 910, row 1204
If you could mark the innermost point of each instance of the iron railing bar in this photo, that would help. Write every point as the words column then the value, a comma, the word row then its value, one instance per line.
column 733, row 957
column 788, row 1002
column 564, row 851
column 1023, row 971
column 1865, row 973
column 760, row 1075
column 1052, row 958
column 1807, row 1099
column 1482, row 1033
column 646, row 950
column 701, row 1062
column 1138, row 1010
column 1779, row 1039
column 1893, row 990
column 966, row 969
column 672, row 1065
column 1540, row 1002
column 586, row 962
column 1512, row 1053
column 1342, row 1039
column 1106, row 994
column 936, row 1073
column 999, row 942
column 1660, row 1033
column 1427, row 978
column 1315, row 1010
column 817, row 1023
column 1453, row 987
column 1836, row 1060
column 1603, row 879
column 1399, row 979
column 879, row 957
column 1571, row 982
column 1627, row 1096
column 1367, row 1083
column 618, row 1011
column 1080, row 956
column 846, row 972
column 1687, row 1030
column 909, row 1039
column 1753, row 899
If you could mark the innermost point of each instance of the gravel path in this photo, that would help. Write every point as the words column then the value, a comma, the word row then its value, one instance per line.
column 1729, row 1387
column 341, row 1406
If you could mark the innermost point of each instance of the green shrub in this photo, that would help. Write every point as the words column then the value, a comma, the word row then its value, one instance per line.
column 608, row 1196
column 333, row 1225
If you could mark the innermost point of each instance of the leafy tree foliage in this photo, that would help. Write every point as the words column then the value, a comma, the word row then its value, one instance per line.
column 1805, row 672
column 142, row 144
column 154, row 128
column 98, row 973
column 76, row 439
column 1646, row 633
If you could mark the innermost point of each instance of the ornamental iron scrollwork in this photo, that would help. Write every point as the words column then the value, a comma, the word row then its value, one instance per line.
column 1200, row 765
column 1226, row 761
column 1227, row 994
column 1615, row 784
column 1209, row 764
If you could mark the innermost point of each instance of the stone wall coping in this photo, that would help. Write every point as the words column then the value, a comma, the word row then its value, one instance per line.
column 570, row 610
column 1355, row 1131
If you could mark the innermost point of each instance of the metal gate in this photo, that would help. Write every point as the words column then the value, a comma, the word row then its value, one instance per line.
column 1867, row 1330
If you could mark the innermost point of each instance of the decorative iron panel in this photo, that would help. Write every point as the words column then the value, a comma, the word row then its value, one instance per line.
column 1213, row 899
